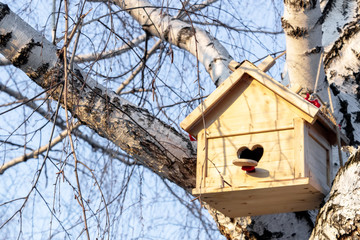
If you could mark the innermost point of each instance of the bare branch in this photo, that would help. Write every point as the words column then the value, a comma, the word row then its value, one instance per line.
column 36, row 153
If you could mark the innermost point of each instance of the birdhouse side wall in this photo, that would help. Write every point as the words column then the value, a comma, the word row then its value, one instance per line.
column 318, row 158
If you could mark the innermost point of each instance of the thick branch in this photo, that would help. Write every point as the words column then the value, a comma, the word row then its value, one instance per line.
column 146, row 138
column 198, row 42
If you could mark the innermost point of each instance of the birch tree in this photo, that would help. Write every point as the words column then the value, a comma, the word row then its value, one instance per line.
column 321, row 55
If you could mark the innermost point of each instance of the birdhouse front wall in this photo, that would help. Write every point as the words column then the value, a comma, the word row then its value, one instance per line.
column 249, row 116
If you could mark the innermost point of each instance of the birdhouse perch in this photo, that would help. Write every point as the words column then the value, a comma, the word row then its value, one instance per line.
column 250, row 121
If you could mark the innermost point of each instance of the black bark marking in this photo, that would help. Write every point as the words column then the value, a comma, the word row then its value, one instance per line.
column 349, row 31
column 39, row 72
column 4, row 39
column 268, row 235
column 357, row 54
column 313, row 50
column 4, row 10
column 216, row 82
column 295, row 32
column 300, row 5
column 166, row 34
column 329, row 5
column 334, row 89
column 77, row 81
column 357, row 118
column 357, row 81
column 306, row 216
column 23, row 55
column 185, row 34
column 349, row 129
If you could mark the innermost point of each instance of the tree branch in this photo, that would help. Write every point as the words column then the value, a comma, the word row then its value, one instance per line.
column 36, row 153
column 198, row 42
column 148, row 139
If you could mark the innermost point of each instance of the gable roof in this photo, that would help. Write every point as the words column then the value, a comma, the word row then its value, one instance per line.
column 308, row 111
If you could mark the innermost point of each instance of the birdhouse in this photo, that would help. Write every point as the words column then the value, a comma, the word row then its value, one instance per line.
column 261, row 148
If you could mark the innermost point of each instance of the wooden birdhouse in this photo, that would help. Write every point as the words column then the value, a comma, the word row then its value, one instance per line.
column 249, row 121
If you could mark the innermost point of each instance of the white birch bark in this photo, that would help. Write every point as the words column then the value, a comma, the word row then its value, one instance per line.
column 146, row 138
column 339, row 218
column 342, row 66
column 302, row 26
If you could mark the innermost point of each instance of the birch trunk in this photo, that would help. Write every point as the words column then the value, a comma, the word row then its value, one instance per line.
column 339, row 218
column 302, row 26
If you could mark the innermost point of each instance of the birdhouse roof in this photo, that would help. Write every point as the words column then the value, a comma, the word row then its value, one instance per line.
column 307, row 110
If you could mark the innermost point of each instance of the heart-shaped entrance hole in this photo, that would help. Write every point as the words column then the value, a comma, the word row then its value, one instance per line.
column 248, row 159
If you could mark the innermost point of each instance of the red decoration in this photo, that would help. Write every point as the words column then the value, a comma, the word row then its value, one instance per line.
column 314, row 102
column 192, row 138
column 248, row 168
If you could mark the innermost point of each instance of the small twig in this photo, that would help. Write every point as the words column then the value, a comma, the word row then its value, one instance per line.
column 102, row 196
column 138, row 69
column 36, row 153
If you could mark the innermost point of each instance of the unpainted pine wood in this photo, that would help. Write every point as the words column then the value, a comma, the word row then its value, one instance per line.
column 273, row 152
column 228, row 191
column 276, row 144
column 242, row 128
column 265, row 200
column 301, row 107
column 281, row 90
column 320, row 129
column 301, row 183
column 216, row 96
column 300, row 144
column 264, row 172
column 331, row 129
column 319, row 162
column 256, row 107
column 269, row 207
column 233, row 65
column 271, row 199
column 266, row 64
column 276, row 163
column 320, row 136
column 201, row 164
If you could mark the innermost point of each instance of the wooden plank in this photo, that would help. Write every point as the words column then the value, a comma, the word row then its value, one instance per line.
column 266, row 64
column 264, row 172
column 270, row 207
column 225, row 149
column 284, row 92
column 321, row 188
column 319, row 162
column 192, row 123
column 201, row 166
column 300, row 142
column 261, row 185
column 330, row 127
column 233, row 65
column 296, row 197
column 276, row 163
column 211, row 101
column 241, row 128
column 275, row 155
